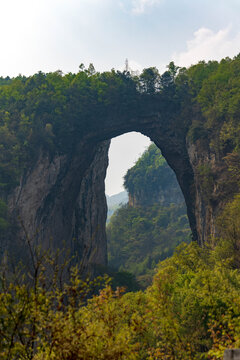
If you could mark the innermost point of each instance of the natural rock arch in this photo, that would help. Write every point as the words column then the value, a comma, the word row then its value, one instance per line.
column 63, row 198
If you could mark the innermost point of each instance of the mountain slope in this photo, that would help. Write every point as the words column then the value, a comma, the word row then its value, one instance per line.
column 153, row 223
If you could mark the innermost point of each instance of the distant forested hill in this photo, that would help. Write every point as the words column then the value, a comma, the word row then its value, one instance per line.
column 148, row 229
column 114, row 201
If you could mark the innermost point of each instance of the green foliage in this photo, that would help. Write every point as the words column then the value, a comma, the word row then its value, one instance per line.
column 150, row 176
column 191, row 311
column 144, row 170
column 197, row 131
column 228, row 224
column 123, row 279
column 49, row 112
column 141, row 235
column 138, row 238
column 149, row 80
column 192, row 297
column 32, row 316
column 215, row 89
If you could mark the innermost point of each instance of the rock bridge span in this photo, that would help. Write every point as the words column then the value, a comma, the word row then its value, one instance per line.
column 61, row 199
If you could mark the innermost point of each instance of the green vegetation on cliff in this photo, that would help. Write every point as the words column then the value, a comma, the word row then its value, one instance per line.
column 138, row 238
column 215, row 87
column 50, row 111
column 191, row 311
column 141, row 235
column 151, row 180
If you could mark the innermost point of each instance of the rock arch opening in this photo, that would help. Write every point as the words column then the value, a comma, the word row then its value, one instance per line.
column 147, row 226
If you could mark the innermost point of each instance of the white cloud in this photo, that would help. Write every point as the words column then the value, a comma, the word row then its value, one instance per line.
column 209, row 45
column 140, row 6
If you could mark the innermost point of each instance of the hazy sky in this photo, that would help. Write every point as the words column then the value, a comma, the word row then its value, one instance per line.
column 49, row 35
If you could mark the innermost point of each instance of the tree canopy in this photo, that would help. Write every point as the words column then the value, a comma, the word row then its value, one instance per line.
column 51, row 110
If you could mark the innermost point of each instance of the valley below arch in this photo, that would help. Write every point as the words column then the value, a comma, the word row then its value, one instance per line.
column 64, row 197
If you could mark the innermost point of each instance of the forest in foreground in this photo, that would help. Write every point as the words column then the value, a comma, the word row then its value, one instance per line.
column 191, row 311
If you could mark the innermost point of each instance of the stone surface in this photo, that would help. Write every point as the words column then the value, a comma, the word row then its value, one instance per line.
column 213, row 187
column 232, row 354
column 60, row 204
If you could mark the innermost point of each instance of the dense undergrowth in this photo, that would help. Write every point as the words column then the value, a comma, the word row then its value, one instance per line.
column 139, row 237
column 191, row 311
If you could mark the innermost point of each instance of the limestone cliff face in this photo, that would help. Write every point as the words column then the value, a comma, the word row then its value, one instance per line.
column 214, row 185
column 61, row 200
column 60, row 203
column 89, row 236
column 151, row 181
